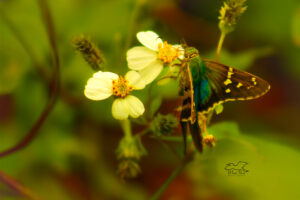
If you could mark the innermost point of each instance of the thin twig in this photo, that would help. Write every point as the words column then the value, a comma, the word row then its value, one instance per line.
column 132, row 25
column 169, row 147
column 39, row 67
column 16, row 186
column 54, row 85
column 20, row 38
column 131, row 29
column 187, row 159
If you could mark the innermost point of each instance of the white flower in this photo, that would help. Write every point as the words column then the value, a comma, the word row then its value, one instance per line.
column 105, row 84
column 150, row 58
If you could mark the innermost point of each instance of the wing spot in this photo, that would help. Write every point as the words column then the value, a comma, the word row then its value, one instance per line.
column 231, row 99
column 228, row 90
column 227, row 82
column 254, row 80
column 239, row 85
column 229, row 74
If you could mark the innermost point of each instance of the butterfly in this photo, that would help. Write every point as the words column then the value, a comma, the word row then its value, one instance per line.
column 204, row 84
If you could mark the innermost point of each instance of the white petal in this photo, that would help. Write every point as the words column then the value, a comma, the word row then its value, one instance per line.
column 135, row 106
column 140, row 57
column 149, row 39
column 120, row 109
column 181, row 50
column 108, row 75
column 149, row 73
column 135, row 80
column 98, row 88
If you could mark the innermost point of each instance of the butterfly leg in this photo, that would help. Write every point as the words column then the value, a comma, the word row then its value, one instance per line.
column 202, row 121
column 184, row 129
column 196, row 133
column 207, row 139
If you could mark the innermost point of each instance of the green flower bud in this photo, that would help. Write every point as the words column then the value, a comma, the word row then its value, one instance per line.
column 130, row 148
column 163, row 124
column 129, row 168
column 89, row 51
column 230, row 13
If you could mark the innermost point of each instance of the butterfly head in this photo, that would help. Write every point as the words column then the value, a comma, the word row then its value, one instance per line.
column 191, row 52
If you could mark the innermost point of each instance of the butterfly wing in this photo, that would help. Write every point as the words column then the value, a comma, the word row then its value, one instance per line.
column 229, row 84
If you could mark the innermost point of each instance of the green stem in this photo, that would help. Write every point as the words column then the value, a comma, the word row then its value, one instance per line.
column 126, row 127
column 220, row 44
column 173, row 138
column 209, row 117
column 132, row 26
column 174, row 174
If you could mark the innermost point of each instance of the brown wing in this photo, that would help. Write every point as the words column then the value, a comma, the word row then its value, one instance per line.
column 230, row 84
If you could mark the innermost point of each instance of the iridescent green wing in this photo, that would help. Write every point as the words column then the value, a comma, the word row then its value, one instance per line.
column 229, row 84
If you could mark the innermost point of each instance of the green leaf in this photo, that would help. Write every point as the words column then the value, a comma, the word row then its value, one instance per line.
column 155, row 104
column 272, row 169
column 224, row 129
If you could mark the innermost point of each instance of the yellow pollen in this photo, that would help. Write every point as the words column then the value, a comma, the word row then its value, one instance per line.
column 121, row 87
column 167, row 53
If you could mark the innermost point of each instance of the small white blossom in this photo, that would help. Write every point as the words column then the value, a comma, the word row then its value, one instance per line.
column 150, row 58
column 105, row 84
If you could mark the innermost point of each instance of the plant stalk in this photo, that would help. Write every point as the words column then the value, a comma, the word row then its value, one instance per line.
column 187, row 159
column 220, row 44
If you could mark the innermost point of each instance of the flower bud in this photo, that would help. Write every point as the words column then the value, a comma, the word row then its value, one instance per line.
column 129, row 152
column 89, row 51
column 230, row 13
column 129, row 168
column 163, row 124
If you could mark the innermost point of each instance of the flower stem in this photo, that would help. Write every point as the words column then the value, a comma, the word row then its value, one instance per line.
column 132, row 26
column 17, row 187
column 174, row 174
column 126, row 127
column 220, row 44
column 173, row 138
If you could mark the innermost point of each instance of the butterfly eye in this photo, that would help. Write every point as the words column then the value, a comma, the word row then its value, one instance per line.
column 192, row 55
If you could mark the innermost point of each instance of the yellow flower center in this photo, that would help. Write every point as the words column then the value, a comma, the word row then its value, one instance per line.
column 121, row 87
column 167, row 53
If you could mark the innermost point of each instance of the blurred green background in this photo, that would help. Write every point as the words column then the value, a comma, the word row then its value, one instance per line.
column 73, row 156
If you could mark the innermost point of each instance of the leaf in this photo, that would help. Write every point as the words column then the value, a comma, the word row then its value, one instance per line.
column 272, row 168
column 155, row 104
column 224, row 129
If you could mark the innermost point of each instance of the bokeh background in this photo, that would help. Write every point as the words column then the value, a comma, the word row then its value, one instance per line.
column 73, row 155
